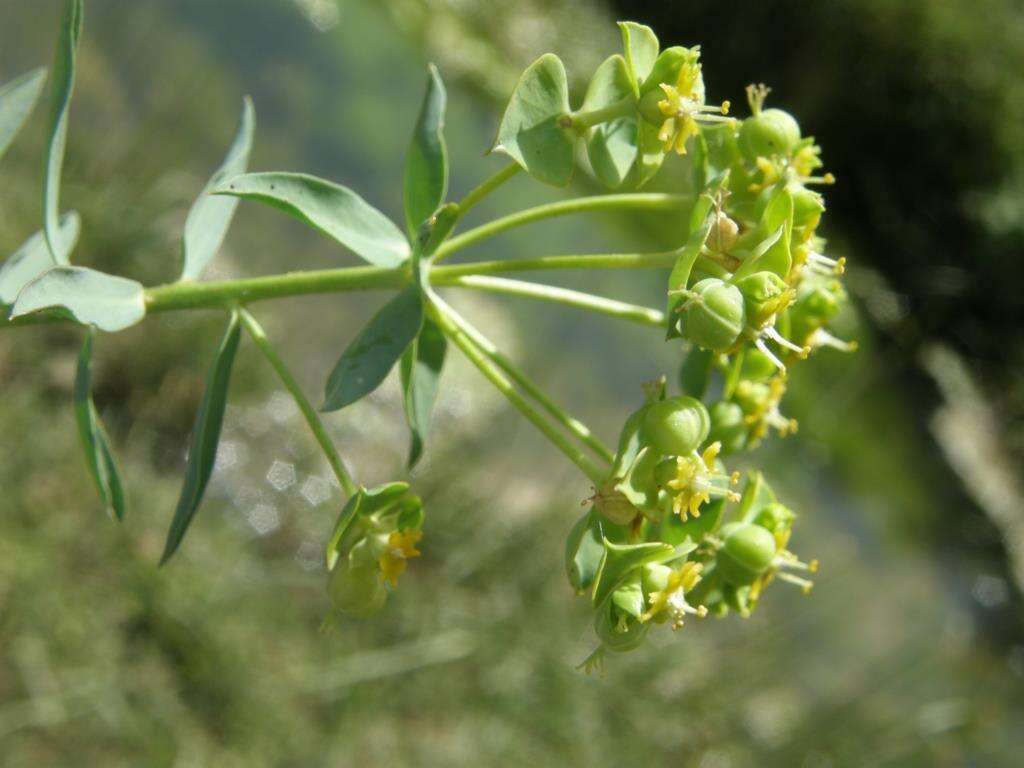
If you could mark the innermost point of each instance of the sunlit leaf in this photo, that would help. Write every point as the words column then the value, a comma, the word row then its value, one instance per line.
column 374, row 352
column 530, row 131
column 611, row 146
column 421, row 374
column 17, row 98
column 208, row 220
column 88, row 297
column 330, row 208
column 640, row 45
column 33, row 258
column 202, row 452
column 62, row 83
column 95, row 443
column 426, row 162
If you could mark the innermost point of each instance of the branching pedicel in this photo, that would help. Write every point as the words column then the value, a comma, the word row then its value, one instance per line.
column 749, row 293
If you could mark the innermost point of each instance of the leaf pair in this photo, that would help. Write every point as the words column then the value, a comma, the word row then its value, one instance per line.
column 399, row 331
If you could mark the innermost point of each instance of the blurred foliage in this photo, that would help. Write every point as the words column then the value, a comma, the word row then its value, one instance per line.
column 216, row 660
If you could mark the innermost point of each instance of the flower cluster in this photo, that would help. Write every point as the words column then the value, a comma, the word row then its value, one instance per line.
column 752, row 293
column 373, row 540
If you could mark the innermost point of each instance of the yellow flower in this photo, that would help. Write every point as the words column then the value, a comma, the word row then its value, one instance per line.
column 672, row 599
column 401, row 547
column 765, row 413
column 684, row 108
column 696, row 481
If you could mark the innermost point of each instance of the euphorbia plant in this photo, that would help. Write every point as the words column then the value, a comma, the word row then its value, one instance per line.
column 669, row 530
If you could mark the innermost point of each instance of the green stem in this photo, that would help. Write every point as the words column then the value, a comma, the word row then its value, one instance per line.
column 488, row 186
column 446, row 319
column 638, row 201
column 448, row 272
column 638, row 314
column 226, row 293
column 580, row 121
column 308, row 411
column 574, row 425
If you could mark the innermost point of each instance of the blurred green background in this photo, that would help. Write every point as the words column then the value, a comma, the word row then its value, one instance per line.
column 906, row 470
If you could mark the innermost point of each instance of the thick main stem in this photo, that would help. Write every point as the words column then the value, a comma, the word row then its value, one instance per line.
column 308, row 411
column 444, row 315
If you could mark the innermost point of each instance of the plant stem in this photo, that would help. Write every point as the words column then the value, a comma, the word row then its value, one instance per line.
column 643, row 201
column 574, row 425
column 226, row 293
column 448, row 272
column 580, row 121
column 486, row 187
column 446, row 319
column 307, row 409
column 638, row 314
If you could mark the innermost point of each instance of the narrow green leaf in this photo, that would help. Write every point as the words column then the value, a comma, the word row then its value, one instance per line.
column 371, row 355
column 205, row 436
column 88, row 297
column 17, row 98
column 640, row 45
column 329, row 208
column 530, row 131
column 62, row 84
column 208, row 220
column 33, row 258
column 421, row 374
column 95, row 443
column 611, row 146
column 426, row 162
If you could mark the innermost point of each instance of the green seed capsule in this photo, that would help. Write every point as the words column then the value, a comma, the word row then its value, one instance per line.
column 757, row 366
column 728, row 426
column 746, row 553
column 714, row 315
column 808, row 206
column 356, row 591
column 764, row 295
column 775, row 517
column 616, row 631
column 771, row 133
column 676, row 426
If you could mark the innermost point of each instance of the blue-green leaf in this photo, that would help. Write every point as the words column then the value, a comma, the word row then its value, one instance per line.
column 33, row 258
column 611, row 146
column 426, row 162
column 329, row 208
column 208, row 220
column 373, row 353
column 63, row 82
column 95, row 443
column 421, row 374
column 530, row 131
column 88, row 297
column 17, row 98
column 205, row 436
column 640, row 45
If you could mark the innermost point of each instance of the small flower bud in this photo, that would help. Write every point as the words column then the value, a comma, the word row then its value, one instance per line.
column 765, row 294
column 676, row 426
column 728, row 426
column 747, row 552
